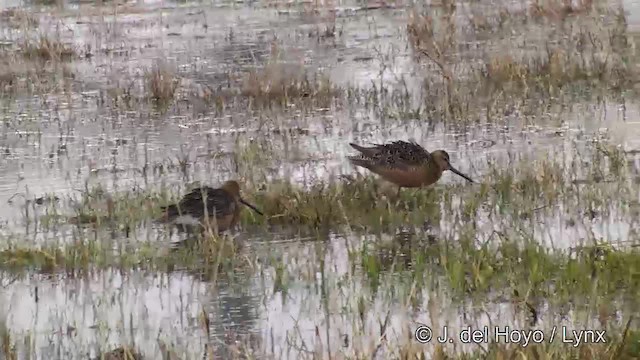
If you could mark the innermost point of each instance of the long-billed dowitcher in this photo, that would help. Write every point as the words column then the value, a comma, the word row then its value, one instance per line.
column 221, row 205
column 405, row 164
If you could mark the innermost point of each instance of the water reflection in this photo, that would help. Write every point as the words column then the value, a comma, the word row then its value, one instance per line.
column 303, row 309
column 73, row 134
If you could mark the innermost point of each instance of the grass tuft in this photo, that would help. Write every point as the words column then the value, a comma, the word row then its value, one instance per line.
column 48, row 49
column 121, row 353
column 162, row 84
column 282, row 84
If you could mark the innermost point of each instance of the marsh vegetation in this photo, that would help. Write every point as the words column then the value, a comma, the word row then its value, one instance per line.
column 111, row 110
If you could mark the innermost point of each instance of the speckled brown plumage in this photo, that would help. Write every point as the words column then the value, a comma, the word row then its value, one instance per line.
column 405, row 164
column 400, row 154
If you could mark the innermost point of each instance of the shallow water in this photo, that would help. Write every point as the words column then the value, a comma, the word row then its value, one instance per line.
column 72, row 135
column 73, row 317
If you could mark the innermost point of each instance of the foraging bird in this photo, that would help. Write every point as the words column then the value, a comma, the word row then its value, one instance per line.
column 405, row 164
column 217, row 208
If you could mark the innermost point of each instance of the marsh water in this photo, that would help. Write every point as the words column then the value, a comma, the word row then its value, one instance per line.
column 68, row 133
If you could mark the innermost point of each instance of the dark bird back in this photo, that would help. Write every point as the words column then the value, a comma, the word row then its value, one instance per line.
column 209, row 207
column 398, row 154
column 217, row 202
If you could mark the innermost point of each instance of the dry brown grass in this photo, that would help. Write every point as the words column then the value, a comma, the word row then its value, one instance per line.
column 18, row 18
column 438, row 44
column 8, row 350
column 121, row 353
column 48, row 49
column 559, row 10
column 19, row 75
column 591, row 49
column 162, row 83
column 8, row 77
column 281, row 83
column 556, row 68
column 425, row 38
column 502, row 69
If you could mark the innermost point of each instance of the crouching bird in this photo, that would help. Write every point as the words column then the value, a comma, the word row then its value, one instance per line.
column 405, row 164
column 218, row 209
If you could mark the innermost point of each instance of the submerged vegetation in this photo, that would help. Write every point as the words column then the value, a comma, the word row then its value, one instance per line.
column 340, row 266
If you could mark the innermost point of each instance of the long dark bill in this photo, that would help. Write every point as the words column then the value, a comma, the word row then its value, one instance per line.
column 459, row 173
column 251, row 206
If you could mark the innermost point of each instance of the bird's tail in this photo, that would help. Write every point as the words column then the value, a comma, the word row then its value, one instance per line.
column 362, row 159
column 359, row 161
column 366, row 152
column 361, row 149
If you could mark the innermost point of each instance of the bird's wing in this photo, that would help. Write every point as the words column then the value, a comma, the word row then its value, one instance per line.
column 402, row 154
column 216, row 201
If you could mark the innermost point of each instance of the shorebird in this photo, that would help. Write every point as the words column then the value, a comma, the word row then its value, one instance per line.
column 208, row 207
column 405, row 164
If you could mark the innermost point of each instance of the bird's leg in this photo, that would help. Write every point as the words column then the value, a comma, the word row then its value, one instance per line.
column 398, row 195
column 414, row 198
